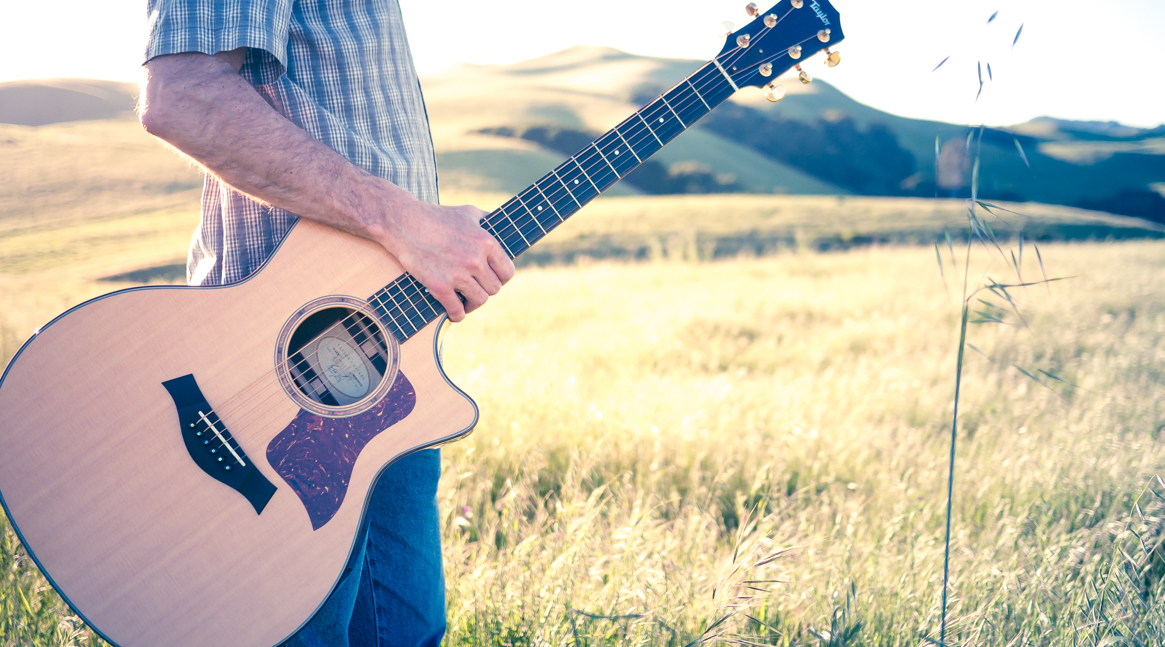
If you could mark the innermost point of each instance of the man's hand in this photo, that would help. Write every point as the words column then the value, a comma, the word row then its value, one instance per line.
column 446, row 249
column 201, row 106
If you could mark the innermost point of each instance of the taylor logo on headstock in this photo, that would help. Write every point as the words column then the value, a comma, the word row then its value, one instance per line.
column 820, row 14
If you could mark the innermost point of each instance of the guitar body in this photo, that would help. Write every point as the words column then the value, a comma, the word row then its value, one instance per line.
column 140, row 540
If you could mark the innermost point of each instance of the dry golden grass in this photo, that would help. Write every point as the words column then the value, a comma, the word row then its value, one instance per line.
column 633, row 416
column 645, row 423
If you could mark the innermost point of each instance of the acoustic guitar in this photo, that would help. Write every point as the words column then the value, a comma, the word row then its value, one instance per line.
column 190, row 466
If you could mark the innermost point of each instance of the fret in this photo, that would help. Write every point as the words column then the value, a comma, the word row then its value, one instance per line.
column 598, row 170
column 424, row 298
column 673, row 111
column 629, row 146
column 663, row 125
column 388, row 293
column 517, row 229
column 549, row 203
column 533, row 200
column 408, row 307
column 688, row 109
column 527, row 208
column 569, row 192
column 488, row 226
column 588, row 177
column 396, row 329
column 636, row 131
column 607, row 161
column 648, row 126
column 616, row 153
column 561, row 202
column 689, row 82
column 418, row 291
column 380, row 298
column 508, row 223
column 531, row 236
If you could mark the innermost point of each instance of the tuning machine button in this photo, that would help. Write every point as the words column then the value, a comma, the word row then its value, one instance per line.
column 771, row 20
column 803, row 75
column 832, row 58
column 725, row 28
column 766, row 69
column 823, row 35
column 775, row 92
column 797, row 4
column 795, row 52
column 752, row 10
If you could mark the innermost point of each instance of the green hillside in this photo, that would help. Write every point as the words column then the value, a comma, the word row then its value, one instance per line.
column 588, row 89
column 818, row 140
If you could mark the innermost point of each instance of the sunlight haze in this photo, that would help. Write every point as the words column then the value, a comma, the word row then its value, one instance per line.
column 1074, row 60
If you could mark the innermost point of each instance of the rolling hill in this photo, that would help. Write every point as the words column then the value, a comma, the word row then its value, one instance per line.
column 818, row 140
column 499, row 127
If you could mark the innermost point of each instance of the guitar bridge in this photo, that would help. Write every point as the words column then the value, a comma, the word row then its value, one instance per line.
column 211, row 446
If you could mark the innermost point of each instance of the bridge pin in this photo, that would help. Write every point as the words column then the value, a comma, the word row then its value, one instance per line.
column 220, row 459
column 206, row 442
column 213, row 451
column 227, row 468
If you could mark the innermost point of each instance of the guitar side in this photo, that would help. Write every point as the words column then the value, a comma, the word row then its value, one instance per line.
column 95, row 477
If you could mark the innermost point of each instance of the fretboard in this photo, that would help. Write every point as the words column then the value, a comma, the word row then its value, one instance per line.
column 406, row 307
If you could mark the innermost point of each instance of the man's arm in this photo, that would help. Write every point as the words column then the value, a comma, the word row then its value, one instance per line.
column 201, row 106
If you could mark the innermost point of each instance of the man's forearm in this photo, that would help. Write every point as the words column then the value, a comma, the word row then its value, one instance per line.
column 204, row 108
column 201, row 106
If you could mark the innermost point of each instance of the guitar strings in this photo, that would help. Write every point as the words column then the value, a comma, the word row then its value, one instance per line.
column 522, row 220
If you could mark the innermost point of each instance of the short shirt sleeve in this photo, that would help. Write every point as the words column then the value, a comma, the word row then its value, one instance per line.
column 213, row 26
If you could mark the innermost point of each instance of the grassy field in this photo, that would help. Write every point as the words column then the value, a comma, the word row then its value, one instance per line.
column 652, row 431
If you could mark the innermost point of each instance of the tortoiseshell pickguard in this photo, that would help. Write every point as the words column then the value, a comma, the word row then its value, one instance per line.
column 315, row 455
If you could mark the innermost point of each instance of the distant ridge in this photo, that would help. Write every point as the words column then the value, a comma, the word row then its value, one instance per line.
column 39, row 102
column 497, row 128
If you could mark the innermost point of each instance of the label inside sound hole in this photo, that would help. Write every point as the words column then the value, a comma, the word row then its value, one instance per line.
column 342, row 367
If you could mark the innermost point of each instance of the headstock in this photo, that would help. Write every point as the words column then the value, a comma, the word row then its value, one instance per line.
column 777, row 40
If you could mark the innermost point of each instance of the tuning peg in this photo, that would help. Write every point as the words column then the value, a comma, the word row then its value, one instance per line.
column 795, row 52
column 771, row 20
column 775, row 92
column 797, row 4
column 752, row 10
column 766, row 69
column 823, row 35
column 832, row 58
column 803, row 75
column 742, row 41
column 725, row 28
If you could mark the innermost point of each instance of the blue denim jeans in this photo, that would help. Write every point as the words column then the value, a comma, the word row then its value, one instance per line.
column 392, row 592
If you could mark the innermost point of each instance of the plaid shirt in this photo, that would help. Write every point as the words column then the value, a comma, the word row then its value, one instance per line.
column 339, row 69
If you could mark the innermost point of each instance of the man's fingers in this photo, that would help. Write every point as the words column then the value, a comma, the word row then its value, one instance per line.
column 502, row 265
column 475, row 296
column 451, row 302
column 488, row 279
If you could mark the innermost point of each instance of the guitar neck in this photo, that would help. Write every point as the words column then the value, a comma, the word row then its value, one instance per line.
column 529, row 216
column 406, row 307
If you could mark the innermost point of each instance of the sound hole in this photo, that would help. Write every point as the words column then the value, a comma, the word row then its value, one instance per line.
column 337, row 356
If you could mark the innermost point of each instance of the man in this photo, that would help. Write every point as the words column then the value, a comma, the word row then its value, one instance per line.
column 313, row 109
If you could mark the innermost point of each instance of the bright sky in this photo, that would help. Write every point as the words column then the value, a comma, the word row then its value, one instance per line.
column 1076, row 59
